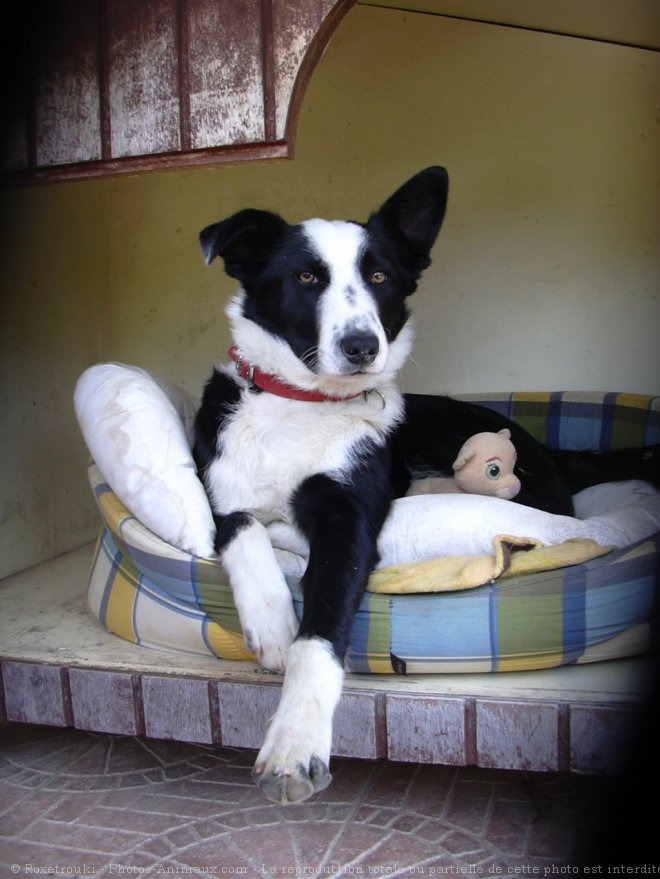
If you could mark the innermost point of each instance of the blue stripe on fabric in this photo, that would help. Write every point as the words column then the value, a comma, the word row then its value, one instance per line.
column 171, row 577
column 114, row 556
column 420, row 629
column 195, row 581
column 503, row 407
column 554, row 420
column 101, row 488
column 574, row 613
column 151, row 591
column 652, row 427
column 357, row 655
column 620, row 594
column 580, row 425
column 611, row 611
column 493, row 630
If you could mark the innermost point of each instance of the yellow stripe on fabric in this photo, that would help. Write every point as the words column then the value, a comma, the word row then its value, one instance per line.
column 629, row 420
column 634, row 401
column 379, row 636
column 120, row 605
column 380, row 666
column 225, row 644
column 530, row 662
column 635, row 552
column 113, row 511
column 534, row 620
column 530, row 410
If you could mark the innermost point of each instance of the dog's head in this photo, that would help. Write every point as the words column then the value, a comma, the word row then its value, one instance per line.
column 323, row 304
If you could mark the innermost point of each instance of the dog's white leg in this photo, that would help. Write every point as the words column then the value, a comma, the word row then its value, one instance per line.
column 293, row 762
column 262, row 598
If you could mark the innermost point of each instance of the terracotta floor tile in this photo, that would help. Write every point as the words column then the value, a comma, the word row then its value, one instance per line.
column 20, row 815
column 135, row 820
column 408, row 822
column 157, row 801
column 22, row 853
column 509, row 826
column 347, row 775
column 182, row 837
column 270, row 848
column 460, row 844
column 81, row 837
column 223, row 853
column 311, row 842
column 434, row 830
column 392, row 783
column 158, row 848
column 66, row 796
column 430, row 788
column 69, row 807
column 227, row 774
column 195, row 789
column 469, row 804
column 354, row 845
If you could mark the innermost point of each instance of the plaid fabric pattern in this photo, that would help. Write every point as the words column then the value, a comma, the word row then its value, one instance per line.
column 580, row 421
column 151, row 593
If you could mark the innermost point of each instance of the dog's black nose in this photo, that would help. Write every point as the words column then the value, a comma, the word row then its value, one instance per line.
column 360, row 349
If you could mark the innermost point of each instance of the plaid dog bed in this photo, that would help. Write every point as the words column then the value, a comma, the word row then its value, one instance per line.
column 151, row 593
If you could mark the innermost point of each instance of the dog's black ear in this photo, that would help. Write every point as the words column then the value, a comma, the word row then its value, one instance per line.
column 415, row 212
column 243, row 241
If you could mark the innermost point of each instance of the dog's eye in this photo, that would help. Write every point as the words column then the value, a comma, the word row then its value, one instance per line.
column 306, row 278
column 378, row 277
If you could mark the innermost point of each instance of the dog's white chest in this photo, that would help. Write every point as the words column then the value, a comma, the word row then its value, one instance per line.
column 270, row 445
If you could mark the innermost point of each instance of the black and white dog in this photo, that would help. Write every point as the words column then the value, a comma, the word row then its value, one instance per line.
column 321, row 323
column 309, row 427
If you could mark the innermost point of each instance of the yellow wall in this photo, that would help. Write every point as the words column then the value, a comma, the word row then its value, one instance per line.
column 546, row 275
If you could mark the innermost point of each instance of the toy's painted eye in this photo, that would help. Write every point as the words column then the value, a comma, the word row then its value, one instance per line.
column 306, row 278
column 378, row 277
column 493, row 471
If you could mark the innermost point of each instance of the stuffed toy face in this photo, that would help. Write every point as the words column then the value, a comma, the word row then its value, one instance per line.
column 485, row 465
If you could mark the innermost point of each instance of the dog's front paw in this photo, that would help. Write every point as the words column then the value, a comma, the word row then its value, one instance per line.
column 290, row 780
column 293, row 762
column 270, row 632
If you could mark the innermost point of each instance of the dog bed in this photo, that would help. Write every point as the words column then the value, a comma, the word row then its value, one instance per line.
column 466, row 584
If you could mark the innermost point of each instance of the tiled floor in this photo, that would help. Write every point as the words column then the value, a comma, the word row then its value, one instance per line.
column 76, row 803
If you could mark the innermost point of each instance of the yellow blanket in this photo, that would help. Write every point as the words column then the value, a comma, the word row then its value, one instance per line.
column 512, row 557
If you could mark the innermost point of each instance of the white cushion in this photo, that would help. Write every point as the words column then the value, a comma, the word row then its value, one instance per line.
column 138, row 429
column 428, row 526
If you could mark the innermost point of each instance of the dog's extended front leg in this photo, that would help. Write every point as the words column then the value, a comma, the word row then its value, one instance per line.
column 261, row 596
column 342, row 531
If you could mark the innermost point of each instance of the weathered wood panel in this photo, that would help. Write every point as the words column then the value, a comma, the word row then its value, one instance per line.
column 359, row 727
column 603, row 738
column 105, row 702
column 517, row 735
column 294, row 27
column 142, row 59
column 67, row 95
column 422, row 729
column 177, row 709
column 163, row 84
column 245, row 710
column 588, row 738
column 36, row 693
column 225, row 73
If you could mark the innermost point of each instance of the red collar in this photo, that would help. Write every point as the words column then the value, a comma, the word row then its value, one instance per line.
column 273, row 385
